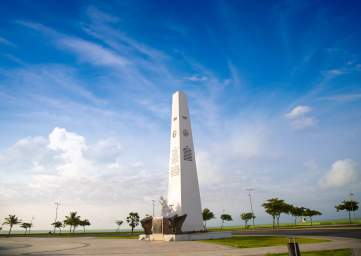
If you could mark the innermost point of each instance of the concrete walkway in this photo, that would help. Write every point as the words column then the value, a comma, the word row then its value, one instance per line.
column 99, row 246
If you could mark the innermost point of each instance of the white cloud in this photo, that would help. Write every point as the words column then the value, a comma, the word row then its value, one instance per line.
column 65, row 167
column 299, row 117
column 298, row 111
column 342, row 173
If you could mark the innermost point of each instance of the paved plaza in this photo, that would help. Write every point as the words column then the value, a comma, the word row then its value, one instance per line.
column 102, row 246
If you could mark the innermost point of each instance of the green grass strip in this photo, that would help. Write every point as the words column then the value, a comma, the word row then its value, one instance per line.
column 260, row 241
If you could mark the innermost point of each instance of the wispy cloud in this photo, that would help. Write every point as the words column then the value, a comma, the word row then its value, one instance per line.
column 343, row 97
column 6, row 42
column 196, row 78
column 93, row 53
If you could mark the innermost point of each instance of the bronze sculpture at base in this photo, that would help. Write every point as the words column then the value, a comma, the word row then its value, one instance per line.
column 147, row 225
column 163, row 225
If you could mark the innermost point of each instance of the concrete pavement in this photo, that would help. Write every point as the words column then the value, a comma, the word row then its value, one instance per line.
column 101, row 246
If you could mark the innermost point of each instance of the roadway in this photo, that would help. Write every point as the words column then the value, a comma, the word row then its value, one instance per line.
column 334, row 232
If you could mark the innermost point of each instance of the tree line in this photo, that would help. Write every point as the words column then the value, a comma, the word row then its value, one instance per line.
column 273, row 206
column 73, row 221
column 276, row 207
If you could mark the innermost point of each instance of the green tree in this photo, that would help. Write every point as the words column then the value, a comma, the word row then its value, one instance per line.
column 58, row 225
column 349, row 206
column 207, row 215
column 297, row 212
column 84, row 223
column 275, row 207
column 133, row 220
column 246, row 217
column 119, row 223
column 310, row 213
column 11, row 221
column 225, row 217
column 72, row 220
column 26, row 226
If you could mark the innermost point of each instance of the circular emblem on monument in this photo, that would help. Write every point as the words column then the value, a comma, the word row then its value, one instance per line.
column 185, row 132
column 174, row 133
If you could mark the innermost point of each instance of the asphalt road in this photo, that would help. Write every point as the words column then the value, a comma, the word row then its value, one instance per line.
column 350, row 233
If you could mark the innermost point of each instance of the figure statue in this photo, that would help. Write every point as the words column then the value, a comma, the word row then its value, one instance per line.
column 166, row 210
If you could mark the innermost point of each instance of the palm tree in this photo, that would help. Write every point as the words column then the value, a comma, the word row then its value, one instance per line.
column 275, row 207
column 349, row 206
column 84, row 223
column 207, row 215
column 310, row 213
column 26, row 225
column 11, row 221
column 30, row 226
column 133, row 220
column 119, row 223
column 72, row 220
column 246, row 217
column 58, row 225
column 297, row 212
column 225, row 217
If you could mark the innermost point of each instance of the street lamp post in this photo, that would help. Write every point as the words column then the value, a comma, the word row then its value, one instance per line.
column 153, row 204
column 250, row 202
column 31, row 223
column 56, row 213
column 352, row 204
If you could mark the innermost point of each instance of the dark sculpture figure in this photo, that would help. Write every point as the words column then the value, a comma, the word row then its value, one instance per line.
column 176, row 223
column 172, row 225
column 147, row 225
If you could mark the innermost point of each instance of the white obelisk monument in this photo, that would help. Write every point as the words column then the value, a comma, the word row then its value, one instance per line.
column 183, row 187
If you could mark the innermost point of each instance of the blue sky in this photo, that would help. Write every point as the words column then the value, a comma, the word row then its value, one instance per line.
column 85, row 95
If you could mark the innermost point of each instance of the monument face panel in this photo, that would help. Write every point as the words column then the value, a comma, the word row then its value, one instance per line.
column 183, row 187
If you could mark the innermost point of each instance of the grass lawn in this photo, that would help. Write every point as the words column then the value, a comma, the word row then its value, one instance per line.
column 339, row 252
column 260, row 241
column 307, row 224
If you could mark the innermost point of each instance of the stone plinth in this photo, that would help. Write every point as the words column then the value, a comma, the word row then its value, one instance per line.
column 186, row 236
column 160, row 225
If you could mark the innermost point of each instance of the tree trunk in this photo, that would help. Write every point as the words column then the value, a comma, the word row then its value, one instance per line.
column 311, row 220
column 205, row 225
column 25, row 231
column 84, row 229
column 222, row 224
column 273, row 222
column 349, row 217
column 295, row 220
column 132, row 229
column 11, row 226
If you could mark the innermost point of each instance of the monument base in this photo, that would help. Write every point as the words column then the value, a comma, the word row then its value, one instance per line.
column 185, row 237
